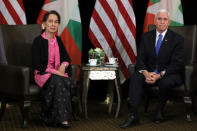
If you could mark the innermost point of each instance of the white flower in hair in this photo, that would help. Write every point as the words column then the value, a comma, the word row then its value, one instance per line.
column 43, row 27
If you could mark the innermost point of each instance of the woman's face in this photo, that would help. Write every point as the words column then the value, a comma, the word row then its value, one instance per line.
column 51, row 24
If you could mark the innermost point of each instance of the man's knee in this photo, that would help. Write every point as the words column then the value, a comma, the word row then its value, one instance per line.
column 166, row 83
column 136, row 84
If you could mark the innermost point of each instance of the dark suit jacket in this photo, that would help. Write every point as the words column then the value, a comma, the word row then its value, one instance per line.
column 171, row 54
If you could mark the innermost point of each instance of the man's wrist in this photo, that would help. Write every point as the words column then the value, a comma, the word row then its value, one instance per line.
column 162, row 73
column 144, row 72
column 160, row 76
column 141, row 71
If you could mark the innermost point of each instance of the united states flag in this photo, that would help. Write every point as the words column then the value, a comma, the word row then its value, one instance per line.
column 113, row 28
column 12, row 12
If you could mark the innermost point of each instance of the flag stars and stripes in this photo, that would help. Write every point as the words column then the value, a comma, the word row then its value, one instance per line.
column 12, row 12
column 112, row 27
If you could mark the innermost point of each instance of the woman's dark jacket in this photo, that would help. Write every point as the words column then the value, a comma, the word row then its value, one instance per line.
column 40, row 54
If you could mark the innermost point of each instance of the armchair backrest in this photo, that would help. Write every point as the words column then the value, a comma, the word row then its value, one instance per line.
column 16, row 42
column 189, row 32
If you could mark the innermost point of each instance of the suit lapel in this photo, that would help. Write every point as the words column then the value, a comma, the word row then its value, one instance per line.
column 152, row 42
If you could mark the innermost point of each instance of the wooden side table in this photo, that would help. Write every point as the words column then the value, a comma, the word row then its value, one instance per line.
column 100, row 73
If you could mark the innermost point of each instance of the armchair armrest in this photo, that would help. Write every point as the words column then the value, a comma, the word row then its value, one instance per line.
column 74, row 72
column 189, row 69
column 131, row 68
column 14, row 81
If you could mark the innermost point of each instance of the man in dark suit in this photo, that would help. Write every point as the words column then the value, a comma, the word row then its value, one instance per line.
column 159, row 62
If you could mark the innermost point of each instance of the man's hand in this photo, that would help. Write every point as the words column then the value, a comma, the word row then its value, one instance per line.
column 151, row 77
column 156, row 77
column 148, row 77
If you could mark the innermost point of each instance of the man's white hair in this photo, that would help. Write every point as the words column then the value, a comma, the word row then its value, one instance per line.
column 162, row 11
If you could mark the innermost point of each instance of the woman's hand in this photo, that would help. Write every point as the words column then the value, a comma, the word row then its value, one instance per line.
column 59, row 73
column 62, row 68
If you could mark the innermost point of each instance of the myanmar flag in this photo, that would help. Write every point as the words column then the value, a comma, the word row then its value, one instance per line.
column 70, row 25
column 174, row 7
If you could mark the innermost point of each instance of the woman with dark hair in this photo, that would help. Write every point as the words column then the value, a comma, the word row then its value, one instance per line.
column 51, row 72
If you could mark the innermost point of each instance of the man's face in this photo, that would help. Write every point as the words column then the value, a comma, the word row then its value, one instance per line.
column 162, row 21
